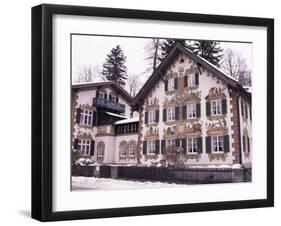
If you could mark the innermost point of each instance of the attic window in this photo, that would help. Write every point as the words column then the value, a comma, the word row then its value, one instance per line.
column 182, row 60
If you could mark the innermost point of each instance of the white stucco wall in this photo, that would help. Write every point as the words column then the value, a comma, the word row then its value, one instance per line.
column 127, row 138
column 205, row 84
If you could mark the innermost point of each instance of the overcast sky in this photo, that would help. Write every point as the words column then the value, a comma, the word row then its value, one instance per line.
column 92, row 50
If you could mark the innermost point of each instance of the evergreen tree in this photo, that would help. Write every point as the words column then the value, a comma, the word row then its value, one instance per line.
column 209, row 50
column 114, row 68
column 167, row 45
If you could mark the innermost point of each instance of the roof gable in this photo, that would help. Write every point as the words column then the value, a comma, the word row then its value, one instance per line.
column 166, row 63
column 111, row 84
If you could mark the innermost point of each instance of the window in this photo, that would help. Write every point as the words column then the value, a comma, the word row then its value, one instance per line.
column 171, row 84
column 132, row 150
column 101, row 95
column 217, row 144
column 192, row 145
column 100, row 149
column 123, row 150
column 191, row 111
column 191, row 80
column 216, row 107
column 151, row 147
column 171, row 143
column 84, row 146
column 113, row 98
column 86, row 117
column 171, row 114
column 151, row 116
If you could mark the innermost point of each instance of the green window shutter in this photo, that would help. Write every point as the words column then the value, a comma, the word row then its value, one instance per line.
column 176, row 83
column 105, row 96
column 184, row 116
column 244, row 143
column 94, row 121
column 92, row 147
column 178, row 142
column 163, row 146
column 199, row 143
column 226, row 143
column 78, row 115
column 144, row 147
column 185, row 81
column 117, row 99
column 248, row 141
column 242, row 109
column 164, row 114
column 157, row 115
column 196, row 78
column 75, row 144
column 183, row 145
column 208, row 145
column 166, row 85
column 198, row 110
column 250, row 109
column 157, row 147
column 246, row 111
column 208, row 108
column 224, row 106
column 97, row 94
column 146, row 117
column 177, row 112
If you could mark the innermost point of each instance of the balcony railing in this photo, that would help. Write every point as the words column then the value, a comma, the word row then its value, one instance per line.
column 101, row 102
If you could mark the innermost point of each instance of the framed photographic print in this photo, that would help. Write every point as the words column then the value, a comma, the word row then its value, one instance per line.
column 146, row 112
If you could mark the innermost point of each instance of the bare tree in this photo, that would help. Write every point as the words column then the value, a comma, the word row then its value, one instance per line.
column 134, row 84
column 235, row 66
column 89, row 73
column 152, row 49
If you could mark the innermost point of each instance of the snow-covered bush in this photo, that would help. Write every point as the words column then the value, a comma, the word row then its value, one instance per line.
column 84, row 162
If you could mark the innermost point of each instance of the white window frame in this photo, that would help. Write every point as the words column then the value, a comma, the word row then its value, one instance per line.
column 123, row 151
column 86, row 117
column 192, row 145
column 191, row 111
column 132, row 149
column 151, row 116
column 151, row 147
column 216, row 107
column 100, row 150
column 85, row 146
column 191, row 81
column 170, row 143
column 171, row 114
column 171, row 84
column 217, row 143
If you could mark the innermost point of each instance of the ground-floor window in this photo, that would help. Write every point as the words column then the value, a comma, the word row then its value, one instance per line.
column 132, row 150
column 217, row 144
column 100, row 149
column 123, row 149
column 192, row 145
column 151, row 147
column 171, row 143
column 84, row 146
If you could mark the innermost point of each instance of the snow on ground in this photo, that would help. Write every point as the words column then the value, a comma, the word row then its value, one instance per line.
column 99, row 184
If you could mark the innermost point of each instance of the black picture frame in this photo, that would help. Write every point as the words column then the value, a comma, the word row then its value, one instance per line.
column 42, row 111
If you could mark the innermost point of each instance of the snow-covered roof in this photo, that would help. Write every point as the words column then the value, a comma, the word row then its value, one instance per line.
column 249, row 89
column 116, row 115
column 129, row 120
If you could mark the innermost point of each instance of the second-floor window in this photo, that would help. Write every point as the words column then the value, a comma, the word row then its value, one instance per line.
column 191, row 111
column 86, row 117
column 151, row 116
column 151, row 147
column 216, row 107
column 171, row 114
column 101, row 95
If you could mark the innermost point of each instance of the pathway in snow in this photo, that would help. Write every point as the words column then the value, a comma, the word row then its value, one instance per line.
column 92, row 183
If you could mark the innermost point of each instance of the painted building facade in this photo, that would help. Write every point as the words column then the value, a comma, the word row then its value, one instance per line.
column 190, row 112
